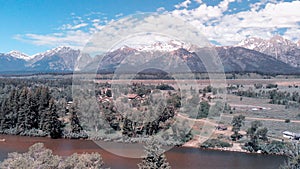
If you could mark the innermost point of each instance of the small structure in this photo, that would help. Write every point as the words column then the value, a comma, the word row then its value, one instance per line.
column 221, row 127
column 104, row 99
column 133, row 96
column 291, row 135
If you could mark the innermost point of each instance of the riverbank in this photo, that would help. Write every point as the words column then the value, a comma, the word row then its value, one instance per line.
column 189, row 157
column 236, row 147
column 193, row 143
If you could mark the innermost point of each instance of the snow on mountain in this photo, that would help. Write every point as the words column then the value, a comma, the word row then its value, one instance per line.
column 19, row 55
column 152, row 43
column 51, row 52
column 277, row 47
column 60, row 58
column 251, row 43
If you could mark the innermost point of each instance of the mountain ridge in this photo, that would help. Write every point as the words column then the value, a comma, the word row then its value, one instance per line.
column 277, row 47
column 275, row 55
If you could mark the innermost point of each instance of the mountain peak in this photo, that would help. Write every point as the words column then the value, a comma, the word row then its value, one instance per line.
column 251, row 42
column 19, row 55
column 50, row 52
column 58, row 49
column 280, row 40
column 277, row 47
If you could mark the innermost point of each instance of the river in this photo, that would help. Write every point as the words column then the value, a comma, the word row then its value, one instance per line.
column 178, row 157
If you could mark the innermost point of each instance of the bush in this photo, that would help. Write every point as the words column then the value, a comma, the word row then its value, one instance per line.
column 275, row 147
column 40, row 157
column 71, row 135
column 270, row 86
column 212, row 143
column 203, row 110
column 164, row 87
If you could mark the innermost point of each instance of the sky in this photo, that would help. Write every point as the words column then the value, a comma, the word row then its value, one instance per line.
column 38, row 25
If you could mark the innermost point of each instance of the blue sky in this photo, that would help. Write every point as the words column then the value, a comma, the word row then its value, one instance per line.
column 37, row 25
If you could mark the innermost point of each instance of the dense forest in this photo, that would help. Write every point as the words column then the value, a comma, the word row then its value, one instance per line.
column 37, row 108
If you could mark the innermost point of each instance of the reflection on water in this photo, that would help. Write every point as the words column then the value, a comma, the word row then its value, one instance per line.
column 178, row 157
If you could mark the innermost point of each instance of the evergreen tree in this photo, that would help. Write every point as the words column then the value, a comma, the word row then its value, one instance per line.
column 9, row 110
column 127, row 127
column 55, row 125
column 75, row 124
column 50, row 122
column 155, row 159
column 5, row 122
column 24, row 109
column 32, row 115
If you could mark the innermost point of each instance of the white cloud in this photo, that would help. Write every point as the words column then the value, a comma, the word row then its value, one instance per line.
column 199, row 1
column 184, row 4
column 75, row 34
column 76, row 39
column 262, row 20
column 160, row 9
column 72, row 27
column 119, row 15
column 229, row 29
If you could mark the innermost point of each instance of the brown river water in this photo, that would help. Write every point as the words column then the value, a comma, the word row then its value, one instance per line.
column 178, row 157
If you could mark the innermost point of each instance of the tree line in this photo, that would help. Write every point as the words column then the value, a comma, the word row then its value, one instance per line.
column 34, row 111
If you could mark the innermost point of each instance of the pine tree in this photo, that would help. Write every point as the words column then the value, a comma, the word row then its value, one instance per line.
column 50, row 122
column 5, row 122
column 155, row 159
column 55, row 125
column 31, row 120
column 9, row 110
column 23, row 111
column 75, row 124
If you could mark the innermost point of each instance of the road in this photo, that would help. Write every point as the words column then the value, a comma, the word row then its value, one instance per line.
column 264, row 119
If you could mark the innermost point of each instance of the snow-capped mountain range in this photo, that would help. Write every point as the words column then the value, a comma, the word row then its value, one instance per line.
column 60, row 59
column 277, row 52
column 19, row 55
column 277, row 47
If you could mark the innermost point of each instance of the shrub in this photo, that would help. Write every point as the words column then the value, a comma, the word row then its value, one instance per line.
column 164, row 87
column 212, row 143
column 40, row 157
column 203, row 110
column 275, row 147
column 270, row 86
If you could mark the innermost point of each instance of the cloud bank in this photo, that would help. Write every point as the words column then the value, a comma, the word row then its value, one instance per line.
column 223, row 24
